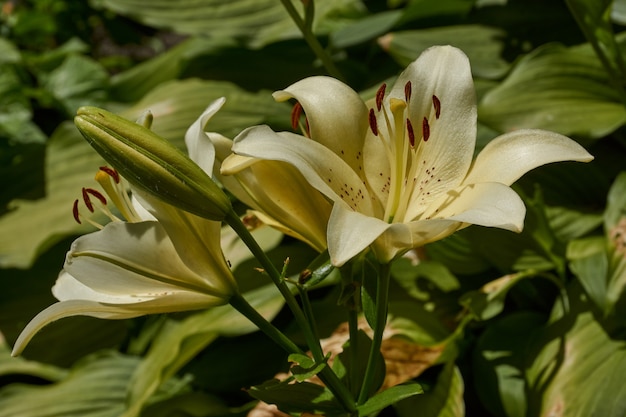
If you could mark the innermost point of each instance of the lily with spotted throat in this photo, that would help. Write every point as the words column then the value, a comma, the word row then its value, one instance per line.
column 399, row 168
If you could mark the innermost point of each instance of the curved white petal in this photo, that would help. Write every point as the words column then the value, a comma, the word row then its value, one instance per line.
column 196, row 241
column 506, row 158
column 351, row 232
column 444, row 72
column 137, row 259
column 401, row 237
column 321, row 167
column 338, row 118
column 489, row 204
column 65, row 309
column 200, row 148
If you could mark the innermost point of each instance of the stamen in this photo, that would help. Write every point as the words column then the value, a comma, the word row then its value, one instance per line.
column 437, row 106
column 87, row 200
column 96, row 194
column 75, row 212
column 425, row 129
column 380, row 94
column 112, row 173
column 295, row 115
column 373, row 123
column 409, row 129
column 408, row 89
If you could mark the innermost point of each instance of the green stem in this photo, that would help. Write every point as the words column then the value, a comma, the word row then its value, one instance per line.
column 311, row 40
column 382, row 300
column 326, row 374
column 241, row 305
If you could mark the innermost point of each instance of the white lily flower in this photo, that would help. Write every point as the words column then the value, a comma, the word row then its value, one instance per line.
column 161, row 259
column 290, row 205
column 399, row 169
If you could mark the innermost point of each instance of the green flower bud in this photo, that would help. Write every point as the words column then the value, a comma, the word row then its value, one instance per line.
column 151, row 163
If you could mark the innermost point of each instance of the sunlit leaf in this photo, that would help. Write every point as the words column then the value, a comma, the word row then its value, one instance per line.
column 556, row 88
column 257, row 22
column 482, row 44
column 445, row 399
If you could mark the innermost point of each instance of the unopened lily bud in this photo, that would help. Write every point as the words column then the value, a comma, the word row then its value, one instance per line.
column 151, row 163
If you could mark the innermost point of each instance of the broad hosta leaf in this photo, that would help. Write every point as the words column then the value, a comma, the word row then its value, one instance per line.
column 594, row 18
column 577, row 352
column 78, row 81
column 179, row 341
column 445, row 399
column 482, row 44
column 499, row 363
column 94, row 388
column 556, row 88
column 257, row 22
column 33, row 226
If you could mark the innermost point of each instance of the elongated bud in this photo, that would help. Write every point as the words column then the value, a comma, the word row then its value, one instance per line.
column 152, row 164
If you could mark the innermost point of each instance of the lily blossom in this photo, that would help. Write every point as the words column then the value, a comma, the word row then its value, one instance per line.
column 399, row 169
column 290, row 205
column 160, row 259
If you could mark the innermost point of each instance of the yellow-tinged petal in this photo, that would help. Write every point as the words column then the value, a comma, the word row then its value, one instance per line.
column 326, row 103
column 506, row 158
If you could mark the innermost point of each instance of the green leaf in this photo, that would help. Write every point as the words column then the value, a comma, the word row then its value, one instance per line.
column 298, row 397
column 444, row 400
column 616, row 203
column 256, row 22
column 95, row 388
column 499, row 363
column 576, row 352
column 365, row 29
column 594, row 18
column 411, row 277
column 488, row 302
column 389, row 397
column 482, row 44
column 304, row 367
column 565, row 90
column 180, row 341
column 76, row 82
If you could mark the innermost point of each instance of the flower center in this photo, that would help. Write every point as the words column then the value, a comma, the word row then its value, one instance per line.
column 391, row 121
column 111, row 182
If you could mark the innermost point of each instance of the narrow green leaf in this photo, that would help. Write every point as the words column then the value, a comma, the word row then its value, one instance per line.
column 444, row 400
column 389, row 397
column 299, row 397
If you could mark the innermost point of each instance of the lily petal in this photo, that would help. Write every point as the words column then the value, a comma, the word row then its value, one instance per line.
column 322, row 168
column 196, row 240
column 136, row 259
column 489, row 204
column 337, row 117
column 200, row 148
column 444, row 72
column 506, row 158
column 351, row 232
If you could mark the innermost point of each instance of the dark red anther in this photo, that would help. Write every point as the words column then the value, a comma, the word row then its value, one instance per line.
column 425, row 129
column 373, row 123
column 409, row 129
column 112, row 173
column 295, row 115
column 87, row 200
column 437, row 106
column 380, row 94
column 75, row 212
column 408, row 89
